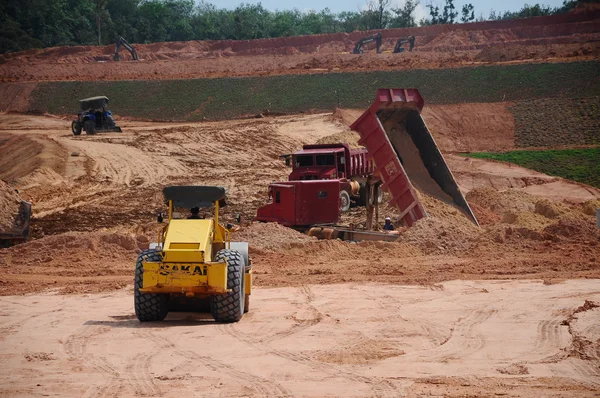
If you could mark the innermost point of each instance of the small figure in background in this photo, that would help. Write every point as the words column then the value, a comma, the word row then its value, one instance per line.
column 388, row 225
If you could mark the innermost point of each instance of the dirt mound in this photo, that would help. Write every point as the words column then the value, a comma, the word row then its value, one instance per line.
column 502, row 202
column 484, row 216
column 549, row 209
column 531, row 221
column 591, row 206
column 349, row 137
column 270, row 236
column 447, row 229
column 72, row 262
column 9, row 206
column 574, row 229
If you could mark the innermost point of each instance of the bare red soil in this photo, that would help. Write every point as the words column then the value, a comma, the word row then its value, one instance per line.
column 559, row 38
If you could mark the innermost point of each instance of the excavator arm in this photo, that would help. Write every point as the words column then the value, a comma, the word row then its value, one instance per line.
column 122, row 42
column 365, row 40
column 403, row 40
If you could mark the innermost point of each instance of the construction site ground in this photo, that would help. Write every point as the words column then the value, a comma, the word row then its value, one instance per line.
column 509, row 308
column 450, row 309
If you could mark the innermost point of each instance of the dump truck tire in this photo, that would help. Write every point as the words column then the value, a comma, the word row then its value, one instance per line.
column 230, row 307
column 149, row 307
column 90, row 127
column 344, row 201
column 76, row 127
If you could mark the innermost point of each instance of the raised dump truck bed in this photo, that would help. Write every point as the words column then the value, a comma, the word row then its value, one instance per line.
column 406, row 155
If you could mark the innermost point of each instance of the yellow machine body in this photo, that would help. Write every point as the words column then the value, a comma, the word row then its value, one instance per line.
column 188, row 248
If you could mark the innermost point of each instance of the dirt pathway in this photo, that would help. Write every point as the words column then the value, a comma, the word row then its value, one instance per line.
column 457, row 338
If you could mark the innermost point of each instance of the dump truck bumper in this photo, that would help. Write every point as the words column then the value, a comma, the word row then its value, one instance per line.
column 185, row 278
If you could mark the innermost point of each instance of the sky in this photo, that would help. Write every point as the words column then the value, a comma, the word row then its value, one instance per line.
column 481, row 6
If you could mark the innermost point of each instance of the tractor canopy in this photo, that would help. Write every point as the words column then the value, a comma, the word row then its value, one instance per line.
column 93, row 103
column 194, row 196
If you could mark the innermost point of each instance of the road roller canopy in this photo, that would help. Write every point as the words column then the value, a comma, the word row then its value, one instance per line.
column 194, row 195
column 93, row 103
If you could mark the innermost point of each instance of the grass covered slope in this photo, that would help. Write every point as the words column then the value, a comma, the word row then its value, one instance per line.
column 226, row 98
column 559, row 121
column 581, row 165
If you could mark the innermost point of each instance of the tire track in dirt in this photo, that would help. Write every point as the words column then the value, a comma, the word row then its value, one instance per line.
column 380, row 387
column 547, row 345
column 463, row 339
column 266, row 334
column 138, row 369
column 262, row 386
column 121, row 164
column 75, row 347
column 585, row 371
column 11, row 327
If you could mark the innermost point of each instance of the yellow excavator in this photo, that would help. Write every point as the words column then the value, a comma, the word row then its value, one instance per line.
column 193, row 258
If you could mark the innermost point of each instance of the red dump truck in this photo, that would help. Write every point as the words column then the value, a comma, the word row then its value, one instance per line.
column 402, row 156
column 351, row 166
column 325, row 180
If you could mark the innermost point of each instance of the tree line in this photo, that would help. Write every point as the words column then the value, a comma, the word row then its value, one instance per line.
column 26, row 24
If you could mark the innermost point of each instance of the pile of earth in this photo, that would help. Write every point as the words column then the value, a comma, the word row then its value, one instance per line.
column 72, row 262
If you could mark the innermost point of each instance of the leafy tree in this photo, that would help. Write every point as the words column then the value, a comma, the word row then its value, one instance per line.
column 434, row 13
column 43, row 23
column 468, row 13
column 404, row 17
column 450, row 13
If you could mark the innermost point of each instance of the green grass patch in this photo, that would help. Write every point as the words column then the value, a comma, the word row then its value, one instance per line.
column 225, row 98
column 581, row 165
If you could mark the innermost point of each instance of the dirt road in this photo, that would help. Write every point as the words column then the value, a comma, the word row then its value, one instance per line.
column 456, row 338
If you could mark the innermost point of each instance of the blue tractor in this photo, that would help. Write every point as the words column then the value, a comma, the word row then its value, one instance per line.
column 94, row 117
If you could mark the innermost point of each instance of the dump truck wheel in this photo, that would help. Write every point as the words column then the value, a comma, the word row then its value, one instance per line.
column 230, row 307
column 344, row 201
column 90, row 127
column 76, row 127
column 149, row 307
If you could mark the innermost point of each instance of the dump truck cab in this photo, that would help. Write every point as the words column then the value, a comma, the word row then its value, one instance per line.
column 194, row 258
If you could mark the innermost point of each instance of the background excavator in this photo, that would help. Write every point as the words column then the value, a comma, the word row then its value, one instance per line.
column 365, row 40
column 122, row 42
column 403, row 40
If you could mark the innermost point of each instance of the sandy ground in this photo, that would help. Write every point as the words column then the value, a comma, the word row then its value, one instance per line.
column 458, row 338
column 328, row 317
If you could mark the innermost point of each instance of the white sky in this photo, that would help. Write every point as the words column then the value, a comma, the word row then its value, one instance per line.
column 481, row 6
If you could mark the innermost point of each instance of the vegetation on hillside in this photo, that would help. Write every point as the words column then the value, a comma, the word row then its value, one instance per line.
column 581, row 165
column 557, row 121
column 226, row 98
column 28, row 24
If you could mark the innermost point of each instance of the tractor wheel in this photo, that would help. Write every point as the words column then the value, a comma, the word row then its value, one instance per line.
column 344, row 201
column 149, row 307
column 90, row 127
column 230, row 307
column 76, row 127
